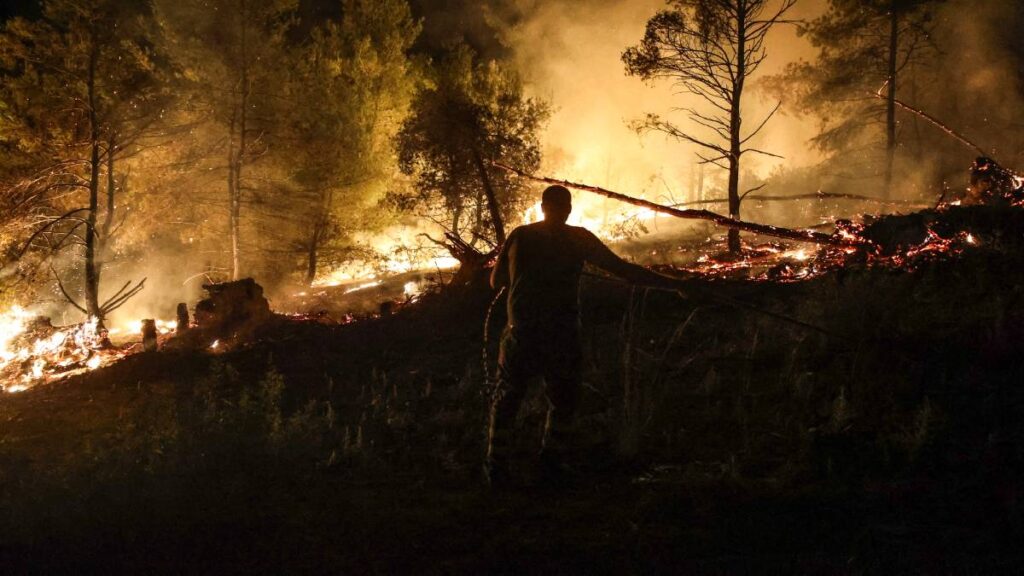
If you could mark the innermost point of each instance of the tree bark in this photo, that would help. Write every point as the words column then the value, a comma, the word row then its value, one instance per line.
column 492, row 200
column 890, row 114
column 92, row 280
column 736, row 125
column 108, row 218
column 232, row 189
column 311, row 258
column 239, row 156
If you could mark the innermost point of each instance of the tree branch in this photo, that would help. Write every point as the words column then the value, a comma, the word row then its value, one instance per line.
column 725, row 221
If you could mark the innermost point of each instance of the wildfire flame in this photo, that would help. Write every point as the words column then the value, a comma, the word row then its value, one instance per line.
column 29, row 355
column 33, row 352
column 776, row 262
column 367, row 274
column 608, row 228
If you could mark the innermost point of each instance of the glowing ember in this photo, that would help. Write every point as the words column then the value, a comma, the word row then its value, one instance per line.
column 367, row 273
column 799, row 255
column 776, row 262
column 134, row 328
column 363, row 286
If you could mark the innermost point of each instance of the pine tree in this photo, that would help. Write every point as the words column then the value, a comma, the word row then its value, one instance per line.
column 710, row 49
column 473, row 113
column 351, row 87
column 81, row 86
column 233, row 62
column 867, row 51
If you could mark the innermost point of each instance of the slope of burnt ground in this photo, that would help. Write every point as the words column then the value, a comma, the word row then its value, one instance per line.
column 886, row 437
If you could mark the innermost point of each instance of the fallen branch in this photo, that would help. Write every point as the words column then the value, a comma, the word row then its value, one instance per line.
column 934, row 122
column 65, row 292
column 763, row 229
column 121, row 297
column 116, row 294
column 47, row 226
column 811, row 196
column 459, row 248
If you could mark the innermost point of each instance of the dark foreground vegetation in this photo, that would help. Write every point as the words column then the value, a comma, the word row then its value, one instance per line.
column 720, row 440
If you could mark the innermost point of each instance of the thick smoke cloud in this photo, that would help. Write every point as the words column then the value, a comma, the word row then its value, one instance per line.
column 569, row 51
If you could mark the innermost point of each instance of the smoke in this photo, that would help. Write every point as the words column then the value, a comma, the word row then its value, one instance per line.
column 166, row 285
column 982, row 76
column 569, row 52
column 448, row 22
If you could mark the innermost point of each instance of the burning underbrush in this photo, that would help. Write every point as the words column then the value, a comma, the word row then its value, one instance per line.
column 33, row 351
column 894, row 242
column 365, row 297
column 901, row 414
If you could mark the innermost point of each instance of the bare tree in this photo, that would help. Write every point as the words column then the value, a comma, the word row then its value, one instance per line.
column 709, row 49
column 84, row 71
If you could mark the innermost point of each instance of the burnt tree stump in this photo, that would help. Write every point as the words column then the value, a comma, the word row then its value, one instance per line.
column 232, row 308
column 183, row 319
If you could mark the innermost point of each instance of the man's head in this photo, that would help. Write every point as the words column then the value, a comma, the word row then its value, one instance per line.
column 556, row 203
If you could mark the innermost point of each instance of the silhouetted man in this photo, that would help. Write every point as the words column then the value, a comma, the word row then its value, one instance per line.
column 540, row 264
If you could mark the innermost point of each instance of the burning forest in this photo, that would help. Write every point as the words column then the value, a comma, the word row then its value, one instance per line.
column 658, row 286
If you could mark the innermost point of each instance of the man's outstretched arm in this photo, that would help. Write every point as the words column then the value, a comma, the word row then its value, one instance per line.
column 602, row 257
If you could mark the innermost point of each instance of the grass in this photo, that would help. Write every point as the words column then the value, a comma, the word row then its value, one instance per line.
column 717, row 441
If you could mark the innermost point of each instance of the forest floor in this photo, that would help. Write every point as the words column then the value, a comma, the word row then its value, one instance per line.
column 719, row 440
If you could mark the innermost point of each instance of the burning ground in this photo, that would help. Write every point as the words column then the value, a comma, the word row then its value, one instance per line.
column 881, row 433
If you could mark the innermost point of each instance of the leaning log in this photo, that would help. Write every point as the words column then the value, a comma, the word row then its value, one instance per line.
column 821, row 196
column 719, row 219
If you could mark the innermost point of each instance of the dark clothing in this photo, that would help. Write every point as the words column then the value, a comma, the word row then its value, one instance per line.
column 541, row 264
column 551, row 350
column 544, row 265
column 542, row 337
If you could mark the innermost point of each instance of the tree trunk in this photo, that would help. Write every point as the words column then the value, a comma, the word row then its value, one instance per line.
column 92, row 279
column 457, row 217
column 890, row 114
column 232, row 192
column 323, row 220
column 700, row 183
column 108, row 218
column 311, row 258
column 492, row 200
column 243, row 108
column 106, row 229
column 736, row 126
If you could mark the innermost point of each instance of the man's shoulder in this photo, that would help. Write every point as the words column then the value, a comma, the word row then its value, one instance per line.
column 585, row 238
column 580, row 231
column 574, row 234
column 527, row 230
